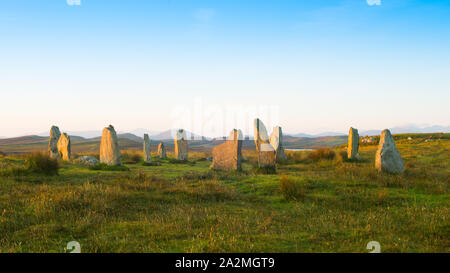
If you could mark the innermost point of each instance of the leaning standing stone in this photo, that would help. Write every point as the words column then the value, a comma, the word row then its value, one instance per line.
column 387, row 158
column 161, row 150
column 353, row 144
column 228, row 156
column 266, row 153
column 64, row 148
column 147, row 151
column 181, row 146
column 55, row 134
column 109, row 148
column 276, row 140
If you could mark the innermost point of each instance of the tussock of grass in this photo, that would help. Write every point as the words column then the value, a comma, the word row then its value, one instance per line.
column 104, row 167
column 322, row 154
column 132, row 157
column 264, row 170
column 177, row 161
column 148, row 164
column 290, row 189
column 40, row 162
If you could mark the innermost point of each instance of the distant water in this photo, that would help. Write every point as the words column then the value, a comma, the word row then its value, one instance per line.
column 298, row 150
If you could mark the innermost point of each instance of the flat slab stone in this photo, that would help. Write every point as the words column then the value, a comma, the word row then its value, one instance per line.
column 276, row 140
column 228, row 155
column 266, row 152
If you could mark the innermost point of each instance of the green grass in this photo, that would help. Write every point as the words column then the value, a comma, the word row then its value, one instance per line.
column 328, row 205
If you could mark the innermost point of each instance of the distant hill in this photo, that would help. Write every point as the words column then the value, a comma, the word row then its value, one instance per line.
column 130, row 141
column 80, row 144
column 170, row 134
column 407, row 129
column 314, row 142
column 141, row 131
column 32, row 139
column 131, row 137
column 83, row 134
column 318, row 135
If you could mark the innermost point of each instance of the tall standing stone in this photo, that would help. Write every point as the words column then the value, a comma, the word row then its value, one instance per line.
column 228, row 155
column 147, row 151
column 109, row 147
column 64, row 147
column 55, row 134
column 387, row 157
column 162, row 150
column 353, row 144
column 266, row 152
column 181, row 145
column 276, row 140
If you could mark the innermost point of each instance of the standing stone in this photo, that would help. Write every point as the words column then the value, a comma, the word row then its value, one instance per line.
column 55, row 134
column 147, row 151
column 181, row 145
column 266, row 153
column 109, row 148
column 228, row 156
column 162, row 150
column 64, row 147
column 387, row 158
column 353, row 144
column 276, row 140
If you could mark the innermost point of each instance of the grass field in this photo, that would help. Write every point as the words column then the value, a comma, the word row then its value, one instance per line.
column 327, row 205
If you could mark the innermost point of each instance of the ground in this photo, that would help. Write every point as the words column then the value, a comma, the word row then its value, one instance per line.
column 339, row 206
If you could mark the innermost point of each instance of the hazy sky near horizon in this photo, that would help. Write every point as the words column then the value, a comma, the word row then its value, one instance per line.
column 323, row 65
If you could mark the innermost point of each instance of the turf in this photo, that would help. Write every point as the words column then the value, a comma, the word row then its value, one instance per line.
column 186, row 207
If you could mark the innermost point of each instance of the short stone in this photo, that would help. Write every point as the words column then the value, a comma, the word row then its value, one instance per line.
column 228, row 155
column 161, row 151
column 387, row 157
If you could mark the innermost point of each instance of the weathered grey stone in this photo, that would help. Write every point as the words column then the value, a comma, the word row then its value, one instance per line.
column 87, row 160
column 147, row 151
column 181, row 145
column 228, row 155
column 266, row 152
column 109, row 147
column 387, row 157
column 353, row 144
column 162, row 150
column 55, row 134
column 261, row 137
column 64, row 147
column 276, row 140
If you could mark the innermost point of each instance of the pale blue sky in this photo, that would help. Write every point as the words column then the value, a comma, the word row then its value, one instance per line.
column 326, row 65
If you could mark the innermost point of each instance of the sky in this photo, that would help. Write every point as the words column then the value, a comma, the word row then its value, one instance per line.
column 210, row 66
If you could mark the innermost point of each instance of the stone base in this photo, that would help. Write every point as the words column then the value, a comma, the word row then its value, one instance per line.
column 267, row 159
